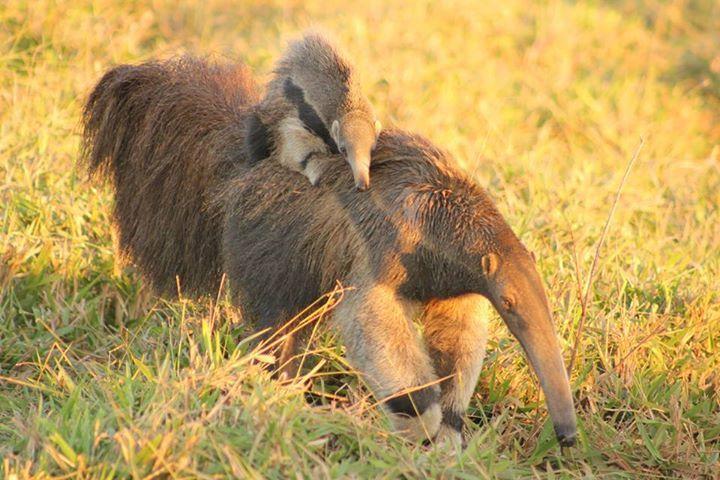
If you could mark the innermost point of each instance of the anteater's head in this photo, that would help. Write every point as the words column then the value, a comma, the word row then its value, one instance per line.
column 475, row 250
column 513, row 286
column 480, row 254
column 355, row 135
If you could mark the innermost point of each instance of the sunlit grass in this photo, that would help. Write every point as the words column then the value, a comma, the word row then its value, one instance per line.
column 544, row 101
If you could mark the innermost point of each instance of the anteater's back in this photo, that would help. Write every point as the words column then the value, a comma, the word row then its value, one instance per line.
column 189, row 207
column 286, row 242
column 167, row 133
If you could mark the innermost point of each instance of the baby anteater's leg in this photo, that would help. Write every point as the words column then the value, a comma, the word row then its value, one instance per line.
column 300, row 150
column 383, row 344
column 456, row 334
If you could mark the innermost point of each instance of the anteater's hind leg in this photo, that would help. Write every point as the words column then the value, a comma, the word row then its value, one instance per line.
column 456, row 334
column 377, row 330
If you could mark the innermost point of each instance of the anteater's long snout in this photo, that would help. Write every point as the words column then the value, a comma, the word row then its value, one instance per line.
column 545, row 357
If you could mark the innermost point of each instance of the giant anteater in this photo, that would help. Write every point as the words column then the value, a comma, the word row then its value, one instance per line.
column 425, row 243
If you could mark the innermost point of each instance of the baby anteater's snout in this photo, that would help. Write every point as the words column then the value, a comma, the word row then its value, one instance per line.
column 362, row 183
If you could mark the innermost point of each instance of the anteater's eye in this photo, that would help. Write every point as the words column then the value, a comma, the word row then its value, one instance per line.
column 507, row 303
column 343, row 150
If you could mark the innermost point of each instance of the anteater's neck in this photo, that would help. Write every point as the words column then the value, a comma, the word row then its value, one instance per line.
column 458, row 224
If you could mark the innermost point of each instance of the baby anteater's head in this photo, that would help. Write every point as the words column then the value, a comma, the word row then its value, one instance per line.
column 321, row 82
column 355, row 134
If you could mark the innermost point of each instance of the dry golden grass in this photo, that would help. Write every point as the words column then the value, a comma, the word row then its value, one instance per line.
column 544, row 101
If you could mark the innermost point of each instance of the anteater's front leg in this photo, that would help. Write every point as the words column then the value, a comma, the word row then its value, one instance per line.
column 383, row 344
column 301, row 150
column 456, row 334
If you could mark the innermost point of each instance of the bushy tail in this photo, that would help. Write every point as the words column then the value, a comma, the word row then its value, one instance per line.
column 167, row 134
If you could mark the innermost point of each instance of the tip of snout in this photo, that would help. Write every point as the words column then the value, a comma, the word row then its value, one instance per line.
column 567, row 440
column 566, row 437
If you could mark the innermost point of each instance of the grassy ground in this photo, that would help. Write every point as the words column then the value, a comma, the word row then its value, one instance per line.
column 544, row 102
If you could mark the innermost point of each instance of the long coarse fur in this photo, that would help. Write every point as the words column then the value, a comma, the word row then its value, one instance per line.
column 170, row 135
column 167, row 133
column 412, row 231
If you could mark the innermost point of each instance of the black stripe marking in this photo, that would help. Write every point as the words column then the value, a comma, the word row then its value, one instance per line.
column 415, row 403
column 308, row 115
column 453, row 420
column 257, row 139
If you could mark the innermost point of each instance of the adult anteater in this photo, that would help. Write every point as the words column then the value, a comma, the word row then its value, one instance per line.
column 425, row 243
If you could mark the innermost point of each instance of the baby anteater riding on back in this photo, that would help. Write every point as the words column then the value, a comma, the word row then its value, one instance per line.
column 313, row 109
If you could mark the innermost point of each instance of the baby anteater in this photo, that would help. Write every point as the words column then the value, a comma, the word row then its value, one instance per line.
column 314, row 108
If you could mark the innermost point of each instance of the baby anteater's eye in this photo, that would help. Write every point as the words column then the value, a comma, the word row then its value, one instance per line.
column 343, row 150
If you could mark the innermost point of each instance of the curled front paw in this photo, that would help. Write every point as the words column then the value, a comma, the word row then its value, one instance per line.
column 314, row 167
column 416, row 415
column 421, row 427
column 449, row 439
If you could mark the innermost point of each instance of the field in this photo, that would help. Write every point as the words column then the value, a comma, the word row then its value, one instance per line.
column 544, row 102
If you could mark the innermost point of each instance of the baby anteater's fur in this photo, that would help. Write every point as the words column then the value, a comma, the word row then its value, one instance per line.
column 425, row 243
column 314, row 107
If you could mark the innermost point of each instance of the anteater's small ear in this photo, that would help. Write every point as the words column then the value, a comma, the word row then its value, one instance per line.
column 378, row 127
column 532, row 254
column 490, row 262
column 335, row 131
